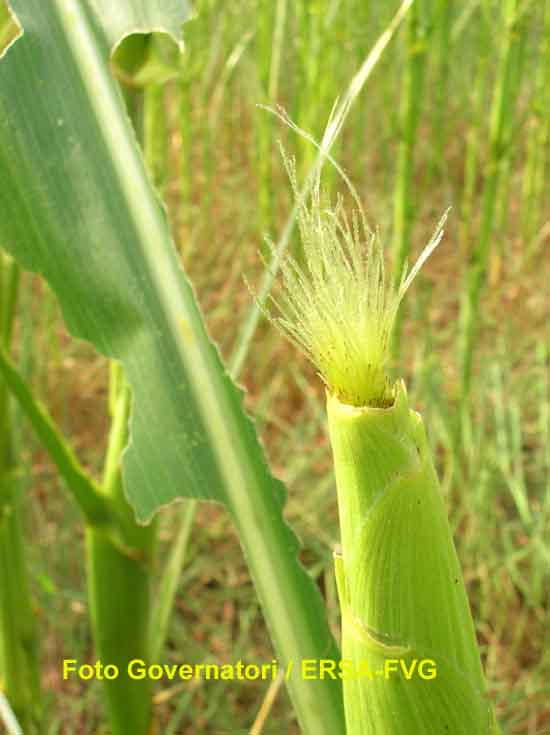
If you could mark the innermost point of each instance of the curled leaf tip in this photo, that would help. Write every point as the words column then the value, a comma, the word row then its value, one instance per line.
column 337, row 303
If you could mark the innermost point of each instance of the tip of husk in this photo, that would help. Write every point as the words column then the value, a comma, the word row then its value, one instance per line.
column 337, row 303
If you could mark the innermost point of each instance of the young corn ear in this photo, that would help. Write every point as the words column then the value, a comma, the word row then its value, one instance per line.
column 412, row 663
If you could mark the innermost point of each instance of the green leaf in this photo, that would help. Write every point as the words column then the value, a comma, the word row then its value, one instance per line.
column 77, row 207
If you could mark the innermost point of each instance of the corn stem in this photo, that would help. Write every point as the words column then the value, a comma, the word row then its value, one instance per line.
column 502, row 109
column 409, row 117
column 119, row 581
column 442, row 31
column 19, row 655
column 538, row 142
column 474, row 135
column 119, row 557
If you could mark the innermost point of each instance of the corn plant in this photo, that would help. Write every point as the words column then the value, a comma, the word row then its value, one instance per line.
column 78, row 207
column 96, row 231
column 120, row 287
column 119, row 556
column 119, row 553
column 402, row 597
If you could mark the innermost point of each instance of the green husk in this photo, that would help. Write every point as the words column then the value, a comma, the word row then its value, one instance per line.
column 402, row 596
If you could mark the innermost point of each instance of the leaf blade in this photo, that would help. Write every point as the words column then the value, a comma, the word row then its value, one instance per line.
column 80, row 210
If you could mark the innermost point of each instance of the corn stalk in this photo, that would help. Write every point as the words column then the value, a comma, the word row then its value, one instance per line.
column 118, row 552
column 19, row 664
column 119, row 584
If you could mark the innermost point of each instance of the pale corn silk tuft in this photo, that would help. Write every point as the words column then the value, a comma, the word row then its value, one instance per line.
column 337, row 303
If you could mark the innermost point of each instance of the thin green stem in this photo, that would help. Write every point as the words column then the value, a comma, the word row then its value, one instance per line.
column 119, row 556
column 444, row 14
column 167, row 589
column 81, row 486
column 473, row 137
column 119, row 582
column 8, row 295
column 270, row 82
column 538, row 142
column 502, row 109
column 18, row 630
column 186, row 136
column 509, row 132
column 154, row 132
column 19, row 649
column 411, row 105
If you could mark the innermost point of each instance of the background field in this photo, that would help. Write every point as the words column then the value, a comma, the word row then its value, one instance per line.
column 424, row 119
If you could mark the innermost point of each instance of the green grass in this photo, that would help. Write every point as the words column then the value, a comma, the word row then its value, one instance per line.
column 222, row 198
